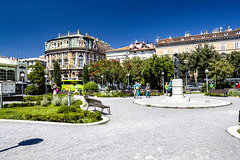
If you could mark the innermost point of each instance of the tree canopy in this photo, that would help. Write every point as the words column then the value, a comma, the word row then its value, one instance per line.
column 37, row 74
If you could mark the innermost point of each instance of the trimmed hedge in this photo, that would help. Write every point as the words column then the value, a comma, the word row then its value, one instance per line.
column 23, row 104
column 67, row 114
column 214, row 94
column 31, row 90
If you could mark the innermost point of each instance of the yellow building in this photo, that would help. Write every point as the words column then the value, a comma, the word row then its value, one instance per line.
column 224, row 42
column 72, row 51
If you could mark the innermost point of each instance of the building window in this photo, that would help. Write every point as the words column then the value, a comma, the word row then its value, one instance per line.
column 3, row 75
column 238, row 32
column 175, row 50
column 182, row 39
column 214, row 35
column 80, row 60
column 163, row 41
column 192, row 37
column 11, row 75
column 66, row 62
column 223, row 46
column 236, row 45
column 203, row 36
column 186, row 49
column 225, row 34
column 74, row 63
column 165, row 51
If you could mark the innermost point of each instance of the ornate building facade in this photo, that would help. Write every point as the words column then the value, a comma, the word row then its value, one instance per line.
column 72, row 51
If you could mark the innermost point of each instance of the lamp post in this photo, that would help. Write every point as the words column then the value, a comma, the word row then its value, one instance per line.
column 22, row 76
column 128, row 80
column 46, row 83
column 206, row 71
column 63, row 83
column 186, row 61
column 163, row 82
column 102, row 80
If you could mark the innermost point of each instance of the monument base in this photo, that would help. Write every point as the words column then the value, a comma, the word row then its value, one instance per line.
column 177, row 91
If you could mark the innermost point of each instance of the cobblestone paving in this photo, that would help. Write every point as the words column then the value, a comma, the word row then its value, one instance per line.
column 133, row 132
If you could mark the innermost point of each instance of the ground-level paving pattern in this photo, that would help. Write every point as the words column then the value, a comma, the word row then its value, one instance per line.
column 133, row 132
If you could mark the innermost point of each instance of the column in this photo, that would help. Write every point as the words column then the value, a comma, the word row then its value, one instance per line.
column 47, row 62
column 62, row 59
column 50, row 60
column 68, row 58
column 93, row 58
column 76, row 61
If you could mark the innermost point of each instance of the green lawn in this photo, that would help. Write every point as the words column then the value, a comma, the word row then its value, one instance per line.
column 19, row 112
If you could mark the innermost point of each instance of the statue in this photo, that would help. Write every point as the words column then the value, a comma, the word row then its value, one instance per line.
column 176, row 66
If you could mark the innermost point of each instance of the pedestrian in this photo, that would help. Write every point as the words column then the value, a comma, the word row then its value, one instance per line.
column 54, row 88
column 166, row 88
column 140, row 85
column 147, row 90
column 136, row 88
column 170, row 88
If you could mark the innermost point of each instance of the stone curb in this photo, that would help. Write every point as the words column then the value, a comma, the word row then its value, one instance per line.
column 105, row 120
column 233, row 131
column 181, row 107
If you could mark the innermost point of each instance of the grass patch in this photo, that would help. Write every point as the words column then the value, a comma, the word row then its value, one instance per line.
column 20, row 112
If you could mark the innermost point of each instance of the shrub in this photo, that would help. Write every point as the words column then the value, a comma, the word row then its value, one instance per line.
column 233, row 93
column 64, row 100
column 31, row 90
column 223, row 85
column 77, row 103
column 66, row 109
column 90, row 86
column 56, row 101
column 44, row 102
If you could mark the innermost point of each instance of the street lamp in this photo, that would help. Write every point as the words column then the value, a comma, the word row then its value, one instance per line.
column 128, row 80
column 22, row 76
column 63, row 83
column 206, row 71
column 163, row 81
column 186, row 61
column 102, row 80
column 46, row 83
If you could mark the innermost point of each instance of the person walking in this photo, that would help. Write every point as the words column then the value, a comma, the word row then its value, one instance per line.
column 170, row 88
column 54, row 88
column 166, row 88
column 147, row 90
column 136, row 88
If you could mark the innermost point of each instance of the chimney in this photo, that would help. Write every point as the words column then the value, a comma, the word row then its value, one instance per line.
column 220, row 29
column 59, row 35
column 78, row 31
column 131, row 46
column 201, row 32
column 170, row 37
column 187, row 34
column 68, row 33
column 206, row 32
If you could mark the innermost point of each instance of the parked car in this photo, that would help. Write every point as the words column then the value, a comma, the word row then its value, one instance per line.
column 192, row 87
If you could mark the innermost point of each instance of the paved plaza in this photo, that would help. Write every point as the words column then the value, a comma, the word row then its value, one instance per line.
column 133, row 132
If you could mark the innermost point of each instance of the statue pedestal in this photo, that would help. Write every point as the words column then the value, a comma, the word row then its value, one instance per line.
column 177, row 91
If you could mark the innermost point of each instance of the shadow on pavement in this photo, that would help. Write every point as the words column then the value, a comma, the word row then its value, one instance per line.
column 25, row 143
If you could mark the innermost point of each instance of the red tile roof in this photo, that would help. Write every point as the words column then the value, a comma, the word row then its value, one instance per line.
column 203, row 37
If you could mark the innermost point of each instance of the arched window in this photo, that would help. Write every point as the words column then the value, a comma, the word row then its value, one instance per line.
column 80, row 60
column 11, row 75
column 3, row 75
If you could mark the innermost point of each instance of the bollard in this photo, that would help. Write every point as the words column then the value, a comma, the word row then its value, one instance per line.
column 80, row 92
column 69, row 98
column 1, row 100
column 239, row 117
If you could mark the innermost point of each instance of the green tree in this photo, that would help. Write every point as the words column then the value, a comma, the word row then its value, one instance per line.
column 85, row 74
column 234, row 59
column 36, row 76
column 200, row 59
column 57, row 74
column 220, row 70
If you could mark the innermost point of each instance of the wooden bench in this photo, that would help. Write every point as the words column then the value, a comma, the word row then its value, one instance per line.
column 96, row 103
column 187, row 90
column 220, row 91
column 123, row 92
column 151, row 91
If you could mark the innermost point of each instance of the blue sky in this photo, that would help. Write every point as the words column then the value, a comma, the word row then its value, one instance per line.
column 26, row 24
